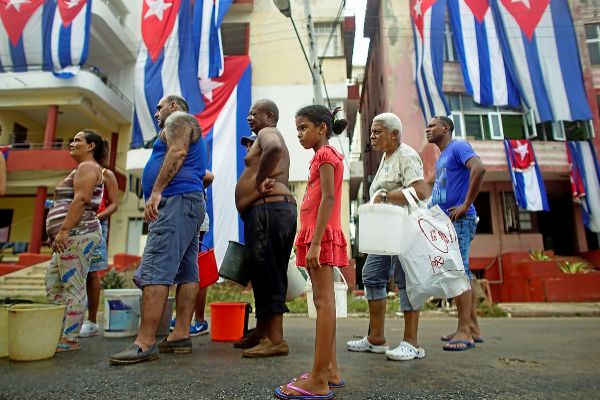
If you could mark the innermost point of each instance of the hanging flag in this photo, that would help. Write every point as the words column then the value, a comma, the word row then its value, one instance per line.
column 223, row 122
column 208, row 16
column 540, row 49
column 165, row 65
column 70, row 36
column 585, row 170
column 530, row 192
column 24, row 34
column 428, row 18
column 485, row 75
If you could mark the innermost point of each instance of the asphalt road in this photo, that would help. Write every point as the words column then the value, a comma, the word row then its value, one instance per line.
column 540, row 358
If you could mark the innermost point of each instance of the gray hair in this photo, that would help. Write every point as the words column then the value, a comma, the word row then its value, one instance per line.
column 390, row 121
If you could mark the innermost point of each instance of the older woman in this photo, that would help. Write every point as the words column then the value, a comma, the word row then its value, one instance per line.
column 74, row 232
column 400, row 168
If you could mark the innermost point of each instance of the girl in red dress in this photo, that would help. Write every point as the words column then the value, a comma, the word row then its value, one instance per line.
column 320, row 245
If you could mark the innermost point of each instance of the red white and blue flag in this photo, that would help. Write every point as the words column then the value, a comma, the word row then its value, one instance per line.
column 70, row 36
column 208, row 16
column 585, row 181
column 530, row 192
column 477, row 43
column 223, row 121
column 428, row 18
column 23, row 31
column 166, row 64
column 540, row 48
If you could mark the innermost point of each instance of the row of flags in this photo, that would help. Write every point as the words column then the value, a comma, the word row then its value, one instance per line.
column 52, row 35
column 529, row 188
column 512, row 52
column 181, row 53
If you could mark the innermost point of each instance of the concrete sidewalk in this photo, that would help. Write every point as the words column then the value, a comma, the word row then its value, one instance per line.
column 522, row 358
column 551, row 309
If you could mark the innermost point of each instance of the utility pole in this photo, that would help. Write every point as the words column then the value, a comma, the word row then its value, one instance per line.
column 312, row 51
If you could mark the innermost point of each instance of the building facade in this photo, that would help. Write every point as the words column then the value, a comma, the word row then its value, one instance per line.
column 389, row 85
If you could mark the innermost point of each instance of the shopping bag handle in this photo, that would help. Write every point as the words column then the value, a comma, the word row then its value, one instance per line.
column 411, row 195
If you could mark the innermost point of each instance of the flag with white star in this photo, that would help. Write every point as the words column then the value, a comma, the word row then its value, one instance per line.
column 70, row 36
column 208, row 16
column 166, row 64
column 428, row 17
column 539, row 45
column 24, row 34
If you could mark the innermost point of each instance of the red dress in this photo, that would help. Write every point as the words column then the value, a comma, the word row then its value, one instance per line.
column 333, row 244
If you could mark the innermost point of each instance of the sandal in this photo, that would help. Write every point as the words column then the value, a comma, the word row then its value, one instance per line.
column 62, row 347
column 450, row 336
column 364, row 345
column 339, row 385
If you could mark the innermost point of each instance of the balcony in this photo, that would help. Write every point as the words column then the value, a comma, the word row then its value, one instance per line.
column 88, row 99
column 551, row 158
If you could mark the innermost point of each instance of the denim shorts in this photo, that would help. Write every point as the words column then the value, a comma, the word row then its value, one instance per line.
column 100, row 258
column 171, row 252
column 376, row 273
column 465, row 230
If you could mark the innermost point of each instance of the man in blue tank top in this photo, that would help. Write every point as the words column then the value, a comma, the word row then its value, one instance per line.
column 459, row 174
column 175, row 206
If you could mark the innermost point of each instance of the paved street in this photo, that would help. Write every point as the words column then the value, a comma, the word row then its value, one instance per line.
column 537, row 358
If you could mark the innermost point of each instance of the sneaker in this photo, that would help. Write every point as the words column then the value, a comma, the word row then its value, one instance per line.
column 405, row 352
column 88, row 329
column 199, row 328
column 172, row 325
column 363, row 345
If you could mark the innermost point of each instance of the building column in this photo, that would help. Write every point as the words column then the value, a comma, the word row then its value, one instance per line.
column 38, row 225
column 51, row 121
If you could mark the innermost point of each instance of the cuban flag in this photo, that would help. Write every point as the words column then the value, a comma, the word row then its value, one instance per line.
column 528, row 185
column 70, row 36
column 24, row 34
column 165, row 65
column 585, row 181
column 485, row 75
column 223, row 121
column 540, row 48
column 208, row 16
column 428, row 30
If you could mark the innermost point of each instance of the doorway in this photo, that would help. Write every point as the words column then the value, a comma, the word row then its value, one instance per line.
column 558, row 226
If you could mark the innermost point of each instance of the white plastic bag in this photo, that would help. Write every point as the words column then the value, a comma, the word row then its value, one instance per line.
column 430, row 254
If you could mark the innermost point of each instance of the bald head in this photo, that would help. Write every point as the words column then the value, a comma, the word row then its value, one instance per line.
column 269, row 107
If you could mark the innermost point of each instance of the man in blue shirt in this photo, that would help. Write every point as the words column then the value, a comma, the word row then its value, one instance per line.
column 175, row 207
column 459, row 174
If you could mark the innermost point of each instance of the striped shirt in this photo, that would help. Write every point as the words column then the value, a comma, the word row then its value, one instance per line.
column 63, row 197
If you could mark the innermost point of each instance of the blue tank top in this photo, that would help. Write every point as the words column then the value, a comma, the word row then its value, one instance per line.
column 189, row 177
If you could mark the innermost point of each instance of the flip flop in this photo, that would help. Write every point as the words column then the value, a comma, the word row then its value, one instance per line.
column 339, row 385
column 63, row 347
column 304, row 394
column 468, row 345
column 448, row 337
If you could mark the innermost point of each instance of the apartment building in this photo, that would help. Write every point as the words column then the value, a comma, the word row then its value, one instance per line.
column 389, row 85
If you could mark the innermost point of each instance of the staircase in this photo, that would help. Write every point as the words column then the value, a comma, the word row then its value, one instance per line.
column 25, row 283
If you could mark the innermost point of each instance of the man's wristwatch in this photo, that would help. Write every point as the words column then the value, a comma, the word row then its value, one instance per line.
column 384, row 196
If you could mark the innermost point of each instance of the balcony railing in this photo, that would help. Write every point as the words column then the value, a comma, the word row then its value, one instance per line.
column 90, row 68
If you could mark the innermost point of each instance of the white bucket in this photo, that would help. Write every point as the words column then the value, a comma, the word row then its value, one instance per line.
column 121, row 312
column 340, row 290
column 380, row 228
column 296, row 280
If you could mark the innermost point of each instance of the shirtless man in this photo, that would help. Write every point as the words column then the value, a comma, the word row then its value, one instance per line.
column 269, row 212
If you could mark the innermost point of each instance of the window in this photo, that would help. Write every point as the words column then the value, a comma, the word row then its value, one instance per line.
column 450, row 53
column 325, row 46
column 6, row 217
column 484, row 211
column 592, row 38
column 236, row 38
column 515, row 219
column 495, row 120
column 558, row 131
column 459, row 124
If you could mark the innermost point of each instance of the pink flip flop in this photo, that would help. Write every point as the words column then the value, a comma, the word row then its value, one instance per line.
column 304, row 394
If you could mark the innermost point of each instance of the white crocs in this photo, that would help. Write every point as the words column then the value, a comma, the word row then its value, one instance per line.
column 405, row 352
column 88, row 329
column 364, row 345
